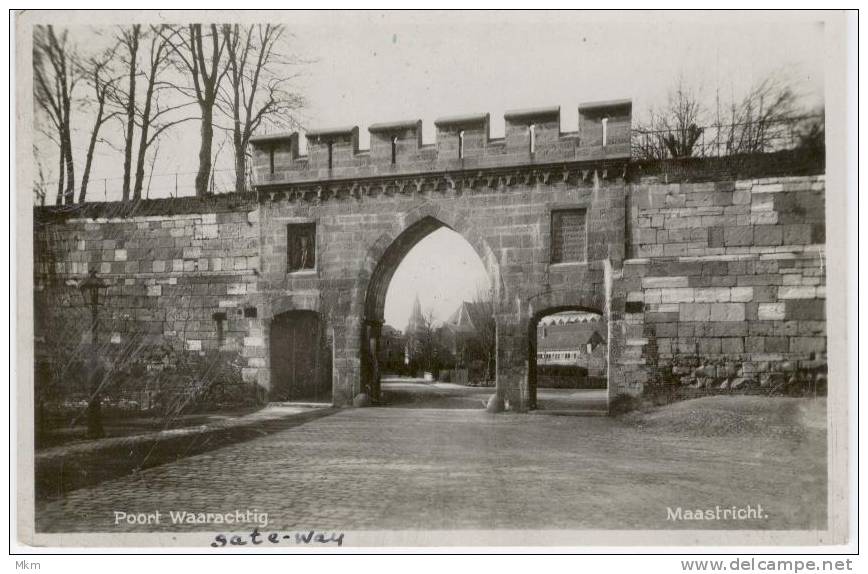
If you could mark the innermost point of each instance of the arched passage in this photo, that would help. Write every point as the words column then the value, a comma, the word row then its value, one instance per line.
column 568, row 359
column 388, row 253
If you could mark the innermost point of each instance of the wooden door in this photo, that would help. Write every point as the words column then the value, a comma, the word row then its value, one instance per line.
column 300, row 365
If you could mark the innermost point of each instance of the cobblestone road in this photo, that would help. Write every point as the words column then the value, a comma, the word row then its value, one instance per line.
column 455, row 469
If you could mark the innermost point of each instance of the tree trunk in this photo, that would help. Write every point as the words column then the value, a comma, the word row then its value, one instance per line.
column 143, row 146
column 207, row 131
column 60, row 171
column 240, row 162
column 85, row 178
column 131, row 113
column 140, row 166
column 69, row 191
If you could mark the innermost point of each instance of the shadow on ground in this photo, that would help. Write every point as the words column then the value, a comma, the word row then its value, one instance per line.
column 63, row 469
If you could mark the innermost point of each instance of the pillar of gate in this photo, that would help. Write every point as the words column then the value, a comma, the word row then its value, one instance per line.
column 512, row 368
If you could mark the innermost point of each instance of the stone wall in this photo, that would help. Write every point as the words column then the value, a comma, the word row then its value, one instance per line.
column 691, row 258
column 171, row 277
column 728, row 272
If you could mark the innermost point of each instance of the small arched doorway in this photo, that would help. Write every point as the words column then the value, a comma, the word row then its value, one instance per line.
column 301, row 367
column 568, row 360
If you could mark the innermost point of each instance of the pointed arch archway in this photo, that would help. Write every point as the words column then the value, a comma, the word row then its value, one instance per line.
column 383, row 259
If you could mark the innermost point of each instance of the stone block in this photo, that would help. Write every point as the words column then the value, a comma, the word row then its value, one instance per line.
column 763, row 218
column 727, row 312
column 741, row 197
column 254, row 342
column 711, row 294
column 653, row 296
column 741, row 294
column 694, row 311
column 678, row 295
column 760, row 202
column 807, row 344
column 771, row 311
column 716, row 237
column 806, row 310
column 768, row 187
column 709, row 346
column 236, row 289
column 732, row 345
column 776, row 345
column 796, row 292
column 193, row 344
column 155, row 290
column 666, row 329
column 192, row 252
column 797, row 234
column 768, row 234
column 120, row 255
column 754, row 344
column 738, row 236
column 205, row 231
column 659, row 282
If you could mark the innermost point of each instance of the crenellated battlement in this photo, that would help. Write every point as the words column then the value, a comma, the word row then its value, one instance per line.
column 531, row 136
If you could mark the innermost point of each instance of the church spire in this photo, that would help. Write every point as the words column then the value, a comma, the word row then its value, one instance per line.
column 416, row 321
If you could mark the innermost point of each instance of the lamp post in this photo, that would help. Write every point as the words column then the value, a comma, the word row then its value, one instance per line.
column 91, row 289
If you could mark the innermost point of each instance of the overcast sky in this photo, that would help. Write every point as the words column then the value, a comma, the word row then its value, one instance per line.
column 373, row 67
column 369, row 67
column 444, row 270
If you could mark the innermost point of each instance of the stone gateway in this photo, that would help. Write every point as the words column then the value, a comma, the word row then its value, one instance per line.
column 717, row 258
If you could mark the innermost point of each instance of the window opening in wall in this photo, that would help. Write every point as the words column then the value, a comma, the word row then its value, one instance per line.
column 532, row 132
column 568, row 235
column 330, row 144
column 394, row 149
column 271, row 160
column 461, row 144
column 300, row 246
column 605, row 131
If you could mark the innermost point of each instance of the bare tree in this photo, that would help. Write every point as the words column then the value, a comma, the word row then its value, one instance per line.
column 206, row 66
column 129, row 38
column 763, row 117
column 98, row 74
column 766, row 118
column 55, row 77
column 485, row 336
column 674, row 130
column 426, row 346
column 255, row 92
column 58, row 70
column 147, row 58
column 155, row 115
